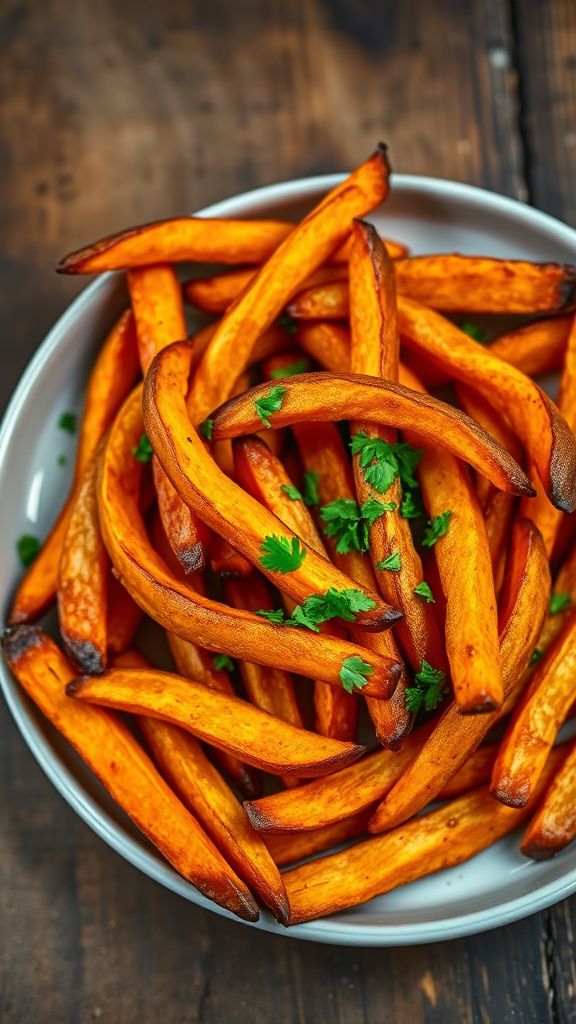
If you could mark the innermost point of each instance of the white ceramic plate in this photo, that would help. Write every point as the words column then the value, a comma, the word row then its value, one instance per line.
column 431, row 216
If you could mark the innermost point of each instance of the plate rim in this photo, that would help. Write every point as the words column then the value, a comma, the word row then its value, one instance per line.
column 145, row 859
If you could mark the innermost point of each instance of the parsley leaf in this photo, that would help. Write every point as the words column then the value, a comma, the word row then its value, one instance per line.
column 143, row 451
column 436, row 528
column 270, row 403
column 67, row 422
column 310, row 488
column 372, row 509
column 423, row 590
column 27, row 547
column 290, row 371
column 350, row 523
column 291, row 492
column 222, row 661
column 288, row 323
column 354, row 673
column 536, row 655
column 559, row 603
column 474, row 331
column 318, row 608
column 382, row 462
column 62, row 460
column 392, row 562
column 281, row 554
column 206, row 428
column 277, row 617
column 429, row 689
column 411, row 507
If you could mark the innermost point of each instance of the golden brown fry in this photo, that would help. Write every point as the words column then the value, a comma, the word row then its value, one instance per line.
column 187, row 534
column 455, row 737
column 314, row 397
column 289, row 848
column 224, row 722
column 111, row 379
column 476, row 771
column 535, row 348
column 532, row 415
column 123, row 616
column 536, row 722
column 82, row 581
column 328, row 343
column 565, row 583
column 329, row 301
column 554, row 825
column 105, row 743
column 224, row 506
column 216, row 294
column 309, row 245
column 444, row 838
column 158, row 307
column 225, row 560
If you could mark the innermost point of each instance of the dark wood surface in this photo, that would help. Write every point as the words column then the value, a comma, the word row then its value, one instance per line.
column 115, row 112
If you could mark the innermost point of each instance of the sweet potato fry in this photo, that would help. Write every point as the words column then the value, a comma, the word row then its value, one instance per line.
column 263, row 476
column 444, row 838
column 105, row 743
column 224, row 722
column 533, row 417
column 476, row 771
column 554, row 825
column 202, row 789
column 187, row 534
column 287, row 849
column 216, row 294
column 455, row 737
column 112, row 377
column 123, row 616
column 535, row 348
column 565, row 583
column 225, row 560
column 224, row 506
column 194, row 617
column 327, row 397
column 306, row 249
column 328, row 343
column 374, row 350
column 536, row 722
column 156, row 297
column 328, row 301
column 82, row 581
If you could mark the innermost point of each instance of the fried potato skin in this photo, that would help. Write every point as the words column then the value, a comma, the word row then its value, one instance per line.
column 553, row 826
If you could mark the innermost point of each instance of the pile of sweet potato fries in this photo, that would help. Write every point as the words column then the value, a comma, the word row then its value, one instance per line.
column 288, row 497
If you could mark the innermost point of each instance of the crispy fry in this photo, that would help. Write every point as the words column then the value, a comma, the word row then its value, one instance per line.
column 187, row 534
column 156, row 298
column 224, row 722
column 307, row 247
column 82, row 581
column 455, row 737
column 109, row 748
column 232, row 513
column 328, row 301
column 554, row 825
column 536, row 722
column 263, row 476
column 111, row 379
column 565, row 583
column 476, row 771
column 328, row 343
column 535, row 348
column 333, row 396
column 216, row 294
column 287, row 849
column 225, row 560
column 192, row 616
column 532, row 415
column 123, row 616
column 444, row 838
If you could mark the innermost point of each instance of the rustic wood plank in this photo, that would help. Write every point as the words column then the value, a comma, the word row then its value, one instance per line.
column 546, row 40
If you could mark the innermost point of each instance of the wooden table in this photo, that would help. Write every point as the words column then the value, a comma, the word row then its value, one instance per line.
column 119, row 112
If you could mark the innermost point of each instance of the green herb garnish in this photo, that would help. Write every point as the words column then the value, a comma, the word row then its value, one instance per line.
column 474, row 331
column 318, row 608
column 429, row 689
column 268, row 404
column 68, row 422
column 62, row 460
column 411, row 507
column 559, row 603
column 382, row 462
column 143, row 451
column 291, row 492
column 222, row 661
column 536, row 655
column 354, row 673
column 27, row 547
column 350, row 523
column 290, row 371
column 436, row 528
column 277, row 617
column 310, row 488
column 206, row 428
column 423, row 590
column 392, row 562
column 282, row 554
column 288, row 323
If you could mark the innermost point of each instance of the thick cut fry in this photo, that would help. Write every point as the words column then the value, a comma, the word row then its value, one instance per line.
column 225, row 560
column 565, row 583
column 112, row 377
column 263, row 476
column 287, row 849
column 329, row 301
column 187, row 534
column 374, row 350
column 328, row 343
column 326, row 801
column 535, row 348
column 158, row 307
column 224, row 722
column 442, row 839
column 533, row 417
column 123, row 616
column 82, row 582
column 224, row 506
column 201, row 788
column 216, row 294
column 109, row 748
column 455, row 737
column 194, row 617
column 309, row 245
column 476, row 771
column 554, row 825
column 536, row 722
column 313, row 397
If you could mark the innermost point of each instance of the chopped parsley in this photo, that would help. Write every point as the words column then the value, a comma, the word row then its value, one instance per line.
column 68, row 422
column 281, row 554
column 436, row 528
column 292, row 492
column 428, row 691
column 474, row 331
column 392, row 562
column 277, row 617
column 536, row 655
column 354, row 673
column 290, row 371
column 268, row 404
column 222, row 661
column 559, row 603
column 27, row 547
column 423, row 590
column 62, row 460
column 310, row 488
column 318, row 608
column 288, row 323
column 411, row 507
column 382, row 461
column 206, row 428
column 143, row 451
column 350, row 523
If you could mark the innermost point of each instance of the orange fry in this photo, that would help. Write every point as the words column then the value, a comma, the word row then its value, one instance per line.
column 535, row 348
column 287, row 849
column 123, row 616
column 216, row 294
column 105, row 743
column 553, row 826
column 187, row 534
column 82, row 581
column 225, row 560
column 111, row 379
column 309, row 245
column 476, row 771
column 455, row 737
column 224, row 722
column 156, row 298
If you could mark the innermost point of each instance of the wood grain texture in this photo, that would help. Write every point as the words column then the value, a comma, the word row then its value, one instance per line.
column 113, row 113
